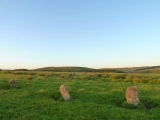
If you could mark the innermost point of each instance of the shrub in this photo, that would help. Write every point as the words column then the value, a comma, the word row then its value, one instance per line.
column 29, row 78
column 32, row 73
column 99, row 75
column 50, row 74
column 92, row 75
column 118, row 76
column 18, row 73
column 42, row 74
column 105, row 76
column 128, row 78
column 137, row 80
column 65, row 75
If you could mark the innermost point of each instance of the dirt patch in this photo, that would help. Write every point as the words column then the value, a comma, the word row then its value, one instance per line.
column 148, row 107
column 150, row 104
column 144, row 104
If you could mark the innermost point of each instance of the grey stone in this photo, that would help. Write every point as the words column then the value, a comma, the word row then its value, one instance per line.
column 13, row 83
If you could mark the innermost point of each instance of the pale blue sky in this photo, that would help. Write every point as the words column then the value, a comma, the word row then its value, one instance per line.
column 88, row 33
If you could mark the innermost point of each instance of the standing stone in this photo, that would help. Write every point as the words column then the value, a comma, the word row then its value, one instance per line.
column 132, row 95
column 73, row 74
column 13, row 83
column 65, row 93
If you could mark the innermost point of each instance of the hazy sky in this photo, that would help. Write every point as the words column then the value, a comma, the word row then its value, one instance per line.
column 89, row 33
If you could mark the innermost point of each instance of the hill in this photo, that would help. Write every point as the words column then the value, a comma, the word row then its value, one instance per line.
column 144, row 69
column 75, row 69
column 65, row 69
column 140, row 69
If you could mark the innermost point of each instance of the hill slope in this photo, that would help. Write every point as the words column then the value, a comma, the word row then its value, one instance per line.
column 139, row 69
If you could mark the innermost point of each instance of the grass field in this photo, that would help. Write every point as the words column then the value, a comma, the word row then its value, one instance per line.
column 95, row 96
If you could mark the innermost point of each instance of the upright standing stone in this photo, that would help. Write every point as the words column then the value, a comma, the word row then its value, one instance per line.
column 132, row 95
column 65, row 93
column 13, row 83
column 73, row 74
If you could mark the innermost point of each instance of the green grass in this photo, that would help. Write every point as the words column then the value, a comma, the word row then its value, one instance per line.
column 95, row 97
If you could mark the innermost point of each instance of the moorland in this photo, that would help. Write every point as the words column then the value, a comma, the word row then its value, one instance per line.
column 97, row 94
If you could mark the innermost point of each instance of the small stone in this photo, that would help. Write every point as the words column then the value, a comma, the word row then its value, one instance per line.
column 13, row 83
column 132, row 95
column 65, row 93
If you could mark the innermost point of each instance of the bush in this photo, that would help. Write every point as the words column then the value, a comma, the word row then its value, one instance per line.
column 99, row 75
column 105, row 76
column 50, row 74
column 137, row 80
column 65, row 75
column 18, row 73
column 29, row 78
column 32, row 73
column 128, row 78
column 117, row 76
column 92, row 75
column 42, row 74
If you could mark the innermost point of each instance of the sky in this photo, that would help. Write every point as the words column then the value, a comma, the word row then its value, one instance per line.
column 86, row 33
